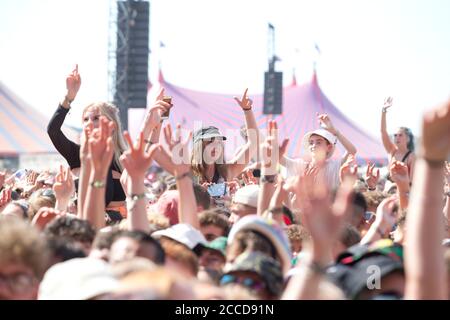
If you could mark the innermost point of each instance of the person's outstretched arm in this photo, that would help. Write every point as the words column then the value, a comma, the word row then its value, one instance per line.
column 426, row 274
column 179, row 158
column 387, row 143
column 324, row 222
column 136, row 162
column 67, row 148
column 325, row 120
column 152, row 130
column 101, row 150
column 236, row 165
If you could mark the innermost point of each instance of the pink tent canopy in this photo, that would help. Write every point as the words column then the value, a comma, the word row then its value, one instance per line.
column 22, row 128
column 300, row 105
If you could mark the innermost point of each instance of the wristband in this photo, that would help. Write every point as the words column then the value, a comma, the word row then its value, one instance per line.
column 434, row 163
column 98, row 184
column 248, row 109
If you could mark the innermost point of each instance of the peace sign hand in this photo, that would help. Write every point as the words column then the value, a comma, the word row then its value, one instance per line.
column 387, row 103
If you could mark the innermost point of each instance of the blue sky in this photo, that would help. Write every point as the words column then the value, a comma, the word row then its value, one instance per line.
column 369, row 49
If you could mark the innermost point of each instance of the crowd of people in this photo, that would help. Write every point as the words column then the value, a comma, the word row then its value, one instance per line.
column 171, row 217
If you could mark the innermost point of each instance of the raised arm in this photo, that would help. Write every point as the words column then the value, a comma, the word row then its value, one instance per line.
column 136, row 162
column 251, row 148
column 387, row 143
column 101, row 151
column 269, row 163
column 151, row 128
column 179, row 157
column 426, row 274
column 68, row 149
column 325, row 121
column 324, row 220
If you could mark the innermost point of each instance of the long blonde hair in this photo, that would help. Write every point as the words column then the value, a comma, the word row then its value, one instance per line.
column 198, row 164
column 111, row 112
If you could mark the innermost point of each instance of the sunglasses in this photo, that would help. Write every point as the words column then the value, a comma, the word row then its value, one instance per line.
column 245, row 281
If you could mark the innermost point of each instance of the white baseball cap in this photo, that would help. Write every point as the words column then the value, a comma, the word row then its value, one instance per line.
column 183, row 233
column 247, row 195
column 327, row 135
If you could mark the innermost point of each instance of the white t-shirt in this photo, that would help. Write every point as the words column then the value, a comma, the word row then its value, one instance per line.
column 295, row 167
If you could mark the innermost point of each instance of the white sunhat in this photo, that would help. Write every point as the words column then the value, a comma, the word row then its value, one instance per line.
column 327, row 135
column 77, row 279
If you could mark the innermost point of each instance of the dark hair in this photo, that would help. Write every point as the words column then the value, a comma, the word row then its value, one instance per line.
column 63, row 250
column 212, row 217
column 360, row 201
column 70, row 228
column 202, row 196
column 142, row 238
column 410, row 135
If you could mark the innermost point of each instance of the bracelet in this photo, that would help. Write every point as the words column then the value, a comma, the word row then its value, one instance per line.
column 131, row 200
column 384, row 110
column 98, row 184
column 248, row 109
column 183, row 175
column 136, row 197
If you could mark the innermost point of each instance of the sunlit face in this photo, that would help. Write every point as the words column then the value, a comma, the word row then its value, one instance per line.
column 91, row 115
column 213, row 150
column 401, row 138
column 319, row 146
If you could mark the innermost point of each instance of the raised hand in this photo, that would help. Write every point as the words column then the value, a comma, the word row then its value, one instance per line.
column 64, row 187
column 325, row 219
column 101, row 148
column 387, row 103
column 73, row 83
column 399, row 174
column 386, row 215
column 270, row 150
column 325, row 122
column 84, row 139
column 45, row 215
column 245, row 102
column 136, row 160
column 371, row 178
column 348, row 168
column 179, row 149
column 153, row 114
column 435, row 140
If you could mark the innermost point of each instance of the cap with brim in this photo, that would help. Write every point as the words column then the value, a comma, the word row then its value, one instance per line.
column 185, row 234
column 327, row 135
column 219, row 245
column 208, row 133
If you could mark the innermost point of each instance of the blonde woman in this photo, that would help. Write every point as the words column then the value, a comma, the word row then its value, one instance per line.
column 114, row 195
